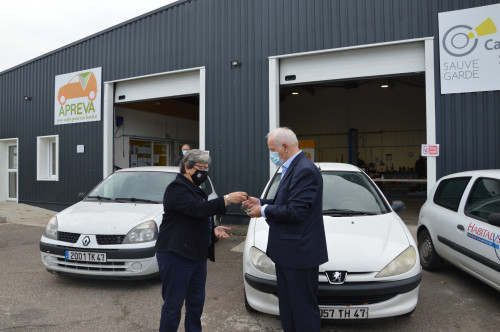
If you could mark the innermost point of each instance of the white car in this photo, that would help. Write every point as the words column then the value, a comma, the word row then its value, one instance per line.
column 112, row 232
column 373, row 269
column 460, row 223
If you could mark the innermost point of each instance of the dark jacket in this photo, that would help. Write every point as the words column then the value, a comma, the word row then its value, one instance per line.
column 185, row 228
column 295, row 217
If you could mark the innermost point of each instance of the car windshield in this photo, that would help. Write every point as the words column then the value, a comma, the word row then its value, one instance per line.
column 133, row 186
column 345, row 193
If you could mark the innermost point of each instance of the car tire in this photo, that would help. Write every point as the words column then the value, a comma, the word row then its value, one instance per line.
column 429, row 258
column 247, row 305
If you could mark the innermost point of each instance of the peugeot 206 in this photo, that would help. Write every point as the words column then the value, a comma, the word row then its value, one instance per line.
column 112, row 232
column 373, row 269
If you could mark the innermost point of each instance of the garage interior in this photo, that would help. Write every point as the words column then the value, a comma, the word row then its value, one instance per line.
column 377, row 123
column 152, row 132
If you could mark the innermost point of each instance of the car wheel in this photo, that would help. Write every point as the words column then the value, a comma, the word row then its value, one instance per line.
column 429, row 258
column 247, row 305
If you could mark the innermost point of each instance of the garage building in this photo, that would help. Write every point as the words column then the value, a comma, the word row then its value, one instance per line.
column 359, row 81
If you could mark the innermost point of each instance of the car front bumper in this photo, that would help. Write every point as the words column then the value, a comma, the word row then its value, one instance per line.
column 137, row 263
column 384, row 299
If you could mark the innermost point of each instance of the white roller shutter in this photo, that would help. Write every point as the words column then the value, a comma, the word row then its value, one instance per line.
column 158, row 86
column 353, row 62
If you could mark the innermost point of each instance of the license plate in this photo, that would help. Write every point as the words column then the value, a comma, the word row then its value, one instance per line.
column 343, row 313
column 85, row 256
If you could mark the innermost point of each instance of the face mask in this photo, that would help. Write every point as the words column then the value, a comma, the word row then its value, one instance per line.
column 184, row 152
column 275, row 158
column 199, row 177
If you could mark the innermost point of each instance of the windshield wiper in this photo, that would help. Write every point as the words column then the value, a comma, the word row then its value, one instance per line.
column 100, row 198
column 133, row 199
column 343, row 212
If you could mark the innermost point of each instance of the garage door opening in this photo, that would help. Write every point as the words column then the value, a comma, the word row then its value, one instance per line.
column 370, row 105
column 152, row 132
column 375, row 123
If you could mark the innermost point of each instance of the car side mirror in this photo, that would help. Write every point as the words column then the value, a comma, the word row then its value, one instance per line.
column 81, row 196
column 494, row 219
column 398, row 206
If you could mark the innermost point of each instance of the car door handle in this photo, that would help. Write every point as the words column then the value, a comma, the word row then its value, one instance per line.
column 460, row 227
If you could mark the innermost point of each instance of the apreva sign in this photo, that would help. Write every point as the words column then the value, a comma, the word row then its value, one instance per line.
column 430, row 150
column 78, row 97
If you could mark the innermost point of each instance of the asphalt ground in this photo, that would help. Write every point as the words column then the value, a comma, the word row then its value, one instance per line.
column 31, row 299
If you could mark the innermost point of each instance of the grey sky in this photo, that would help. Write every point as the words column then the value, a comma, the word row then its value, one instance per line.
column 30, row 28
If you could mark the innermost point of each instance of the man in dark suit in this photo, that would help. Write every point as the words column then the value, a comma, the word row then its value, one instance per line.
column 297, row 242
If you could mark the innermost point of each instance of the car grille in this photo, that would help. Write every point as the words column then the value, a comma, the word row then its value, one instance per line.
column 81, row 265
column 110, row 239
column 101, row 239
column 354, row 300
column 68, row 237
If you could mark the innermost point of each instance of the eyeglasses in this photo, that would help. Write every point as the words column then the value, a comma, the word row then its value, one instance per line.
column 201, row 168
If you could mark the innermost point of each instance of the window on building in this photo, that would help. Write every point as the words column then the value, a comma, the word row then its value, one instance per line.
column 48, row 158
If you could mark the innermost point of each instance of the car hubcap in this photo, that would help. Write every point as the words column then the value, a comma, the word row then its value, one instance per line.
column 425, row 249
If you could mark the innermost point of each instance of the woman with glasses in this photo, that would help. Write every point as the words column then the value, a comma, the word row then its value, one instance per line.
column 186, row 239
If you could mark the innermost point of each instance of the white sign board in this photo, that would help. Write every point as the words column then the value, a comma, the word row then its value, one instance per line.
column 78, row 97
column 469, row 49
column 430, row 150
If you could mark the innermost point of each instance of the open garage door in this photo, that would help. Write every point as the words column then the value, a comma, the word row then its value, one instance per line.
column 150, row 118
column 371, row 106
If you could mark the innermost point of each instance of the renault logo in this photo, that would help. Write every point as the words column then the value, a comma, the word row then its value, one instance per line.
column 86, row 241
column 336, row 277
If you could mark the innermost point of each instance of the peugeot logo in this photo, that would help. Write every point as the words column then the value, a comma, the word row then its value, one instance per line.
column 86, row 241
column 336, row 277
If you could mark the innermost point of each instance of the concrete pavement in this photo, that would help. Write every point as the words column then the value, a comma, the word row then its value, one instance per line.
column 18, row 213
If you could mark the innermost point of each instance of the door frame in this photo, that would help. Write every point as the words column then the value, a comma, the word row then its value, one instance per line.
column 428, row 69
column 110, row 98
column 4, row 169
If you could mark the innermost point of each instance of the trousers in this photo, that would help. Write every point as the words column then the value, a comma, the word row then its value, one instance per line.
column 182, row 280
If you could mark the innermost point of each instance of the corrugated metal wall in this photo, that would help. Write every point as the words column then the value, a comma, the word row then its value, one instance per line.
column 210, row 33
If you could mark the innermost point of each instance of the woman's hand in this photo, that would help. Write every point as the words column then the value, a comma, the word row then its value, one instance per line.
column 238, row 197
column 220, row 232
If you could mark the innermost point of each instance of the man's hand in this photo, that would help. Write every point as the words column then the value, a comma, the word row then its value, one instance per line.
column 220, row 232
column 252, row 205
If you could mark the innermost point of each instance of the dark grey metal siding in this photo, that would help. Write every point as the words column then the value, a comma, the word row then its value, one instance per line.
column 210, row 33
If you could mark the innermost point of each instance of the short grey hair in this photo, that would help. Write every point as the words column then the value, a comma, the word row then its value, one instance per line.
column 192, row 158
column 283, row 135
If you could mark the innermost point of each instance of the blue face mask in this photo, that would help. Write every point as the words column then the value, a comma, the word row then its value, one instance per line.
column 275, row 158
column 184, row 152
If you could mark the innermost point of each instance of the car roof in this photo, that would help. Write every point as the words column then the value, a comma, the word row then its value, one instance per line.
column 479, row 172
column 170, row 169
column 334, row 167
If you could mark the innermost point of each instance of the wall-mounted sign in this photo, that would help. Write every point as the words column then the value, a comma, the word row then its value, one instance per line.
column 469, row 48
column 80, row 149
column 430, row 150
column 78, row 97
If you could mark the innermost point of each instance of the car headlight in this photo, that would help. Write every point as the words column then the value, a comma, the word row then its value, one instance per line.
column 261, row 262
column 399, row 265
column 145, row 232
column 51, row 229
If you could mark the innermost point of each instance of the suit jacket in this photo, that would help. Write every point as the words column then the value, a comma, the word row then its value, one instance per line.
column 295, row 217
column 186, row 225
